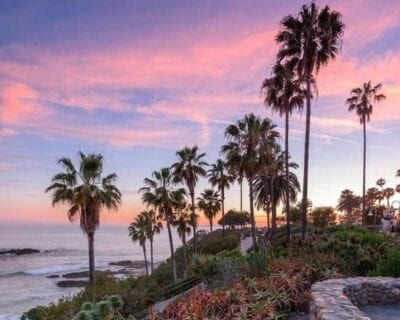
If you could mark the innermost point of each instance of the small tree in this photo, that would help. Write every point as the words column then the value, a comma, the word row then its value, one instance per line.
column 323, row 216
column 234, row 219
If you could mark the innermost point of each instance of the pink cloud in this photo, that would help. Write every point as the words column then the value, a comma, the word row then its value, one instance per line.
column 7, row 132
column 18, row 101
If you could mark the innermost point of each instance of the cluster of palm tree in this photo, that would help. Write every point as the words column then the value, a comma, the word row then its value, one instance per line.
column 306, row 42
column 254, row 151
column 352, row 204
column 143, row 229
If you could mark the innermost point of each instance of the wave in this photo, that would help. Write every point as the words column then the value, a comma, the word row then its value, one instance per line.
column 9, row 317
column 53, row 269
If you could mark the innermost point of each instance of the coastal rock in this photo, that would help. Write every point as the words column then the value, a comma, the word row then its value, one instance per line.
column 17, row 252
column 129, row 264
column 53, row 276
column 72, row 283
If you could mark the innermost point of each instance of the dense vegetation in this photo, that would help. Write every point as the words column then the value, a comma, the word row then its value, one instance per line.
column 269, row 284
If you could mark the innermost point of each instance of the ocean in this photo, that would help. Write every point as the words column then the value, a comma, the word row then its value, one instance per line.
column 23, row 279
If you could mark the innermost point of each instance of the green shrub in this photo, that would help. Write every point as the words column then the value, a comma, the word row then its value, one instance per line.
column 215, row 242
column 388, row 266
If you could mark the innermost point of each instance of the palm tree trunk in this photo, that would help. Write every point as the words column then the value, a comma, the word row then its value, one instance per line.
column 288, row 231
column 273, row 206
column 364, row 169
column 194, row 225
column 306, row 157
column 92, row 276
column 211, row 224
column 241, row 194
column 151, row 255
column 223, row 210
column 145, row 258
column 252, row 218
column 267, row 194
column 184, row 255
column 171, row 246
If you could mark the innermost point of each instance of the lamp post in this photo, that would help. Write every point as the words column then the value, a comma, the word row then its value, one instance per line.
column 372, row 212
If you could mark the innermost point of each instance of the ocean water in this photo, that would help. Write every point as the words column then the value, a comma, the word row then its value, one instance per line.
column 23, row 281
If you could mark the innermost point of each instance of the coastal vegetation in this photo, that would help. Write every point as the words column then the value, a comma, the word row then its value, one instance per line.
column 303, row 245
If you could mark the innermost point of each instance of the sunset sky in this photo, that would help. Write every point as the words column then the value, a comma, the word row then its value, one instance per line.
column 137, row 80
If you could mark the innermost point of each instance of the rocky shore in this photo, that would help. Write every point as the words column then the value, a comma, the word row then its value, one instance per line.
column 80, row 279
column 18, row 252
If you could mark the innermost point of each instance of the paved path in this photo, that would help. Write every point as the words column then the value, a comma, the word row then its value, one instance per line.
column 383, row 312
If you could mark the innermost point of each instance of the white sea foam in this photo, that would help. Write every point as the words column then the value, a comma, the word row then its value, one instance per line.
column 9, row 317
column 54, row 269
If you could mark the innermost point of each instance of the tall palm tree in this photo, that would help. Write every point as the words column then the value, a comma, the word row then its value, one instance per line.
column 182, row 222
column 188, row 169
column 209, row 202
column 361, row 101
column 388, row 193
column 283, row 93
column 307, row 42
column 138, row 233
column 220, row 176
column 245, row 139
column 86, row 192
column 273, row 189
column 348, row 202
column 160, row 192
column 154, row 226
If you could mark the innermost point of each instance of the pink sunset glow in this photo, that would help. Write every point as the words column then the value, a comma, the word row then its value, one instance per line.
column 140, row 85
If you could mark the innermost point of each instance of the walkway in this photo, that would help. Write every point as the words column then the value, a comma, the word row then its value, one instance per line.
column 383, row 312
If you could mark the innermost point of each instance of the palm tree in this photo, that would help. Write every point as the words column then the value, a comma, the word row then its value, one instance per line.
column 381, row 182
column 308, row 41
column 348, row 202
column 86, row 191
column 154, row 227
column 371, row 196
column 138, row 233
column 273, row 190
column 182, row 223
column 220, row 177
column 268, row 151
column 283, row 93
column 360, row 101
column 210, row 204
column 243, row 148
column 188, row 169
column 160, row 193
column 388, row 193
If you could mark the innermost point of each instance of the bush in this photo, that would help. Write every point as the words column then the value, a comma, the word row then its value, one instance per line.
column 214, row 242
column 388, row 266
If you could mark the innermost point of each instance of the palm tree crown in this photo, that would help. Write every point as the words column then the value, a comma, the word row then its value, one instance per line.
column 361, row 100
column 210, row 203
